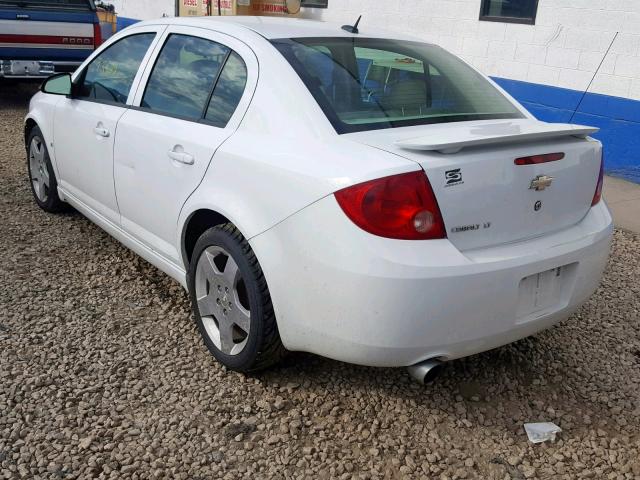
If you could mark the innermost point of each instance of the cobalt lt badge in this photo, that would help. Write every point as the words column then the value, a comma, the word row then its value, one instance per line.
column 540, row 183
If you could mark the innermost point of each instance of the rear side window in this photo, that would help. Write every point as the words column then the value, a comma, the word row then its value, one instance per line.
column 196, row 79
column 183, row 76
column 228, row 91
column 109, row 76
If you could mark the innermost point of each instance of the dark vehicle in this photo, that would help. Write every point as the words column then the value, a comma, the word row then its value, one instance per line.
column 41, row 37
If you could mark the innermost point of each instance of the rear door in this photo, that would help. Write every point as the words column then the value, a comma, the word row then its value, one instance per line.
column 85, row 125
column 191, row 99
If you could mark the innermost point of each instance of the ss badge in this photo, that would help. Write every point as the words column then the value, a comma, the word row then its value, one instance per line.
column 453, row 177
column 537, row 206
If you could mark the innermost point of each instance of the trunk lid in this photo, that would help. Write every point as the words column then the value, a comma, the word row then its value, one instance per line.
column 485, row 198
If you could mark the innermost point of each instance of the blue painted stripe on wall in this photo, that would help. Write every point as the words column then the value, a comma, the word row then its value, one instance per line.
column 618, row 120
column 124, row 22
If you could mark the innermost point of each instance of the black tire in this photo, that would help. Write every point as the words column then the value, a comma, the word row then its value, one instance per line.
column 264, row 347
column 52, row 203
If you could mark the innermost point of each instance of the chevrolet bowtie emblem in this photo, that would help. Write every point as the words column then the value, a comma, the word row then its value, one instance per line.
column 541, row 182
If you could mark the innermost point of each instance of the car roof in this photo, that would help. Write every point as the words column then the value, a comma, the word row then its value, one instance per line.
column 280, row 27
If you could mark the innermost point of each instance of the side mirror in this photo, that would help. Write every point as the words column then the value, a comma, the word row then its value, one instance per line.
column 59, row 84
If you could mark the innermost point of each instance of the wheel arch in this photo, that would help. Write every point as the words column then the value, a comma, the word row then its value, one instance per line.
column 41, row 116
column 194, row 226
column 29, row 125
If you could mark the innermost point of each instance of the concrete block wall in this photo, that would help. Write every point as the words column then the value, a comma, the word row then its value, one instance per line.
column 562, row 49
column 546, row 66
column 144, row 9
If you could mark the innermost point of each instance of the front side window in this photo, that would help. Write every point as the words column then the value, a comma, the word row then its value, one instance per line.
column 512, row 11
column 183, row 76
column 365, row 84
column 109, row 76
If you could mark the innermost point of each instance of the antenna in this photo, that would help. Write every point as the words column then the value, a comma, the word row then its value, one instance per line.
column 593, row 78
column 354, row 28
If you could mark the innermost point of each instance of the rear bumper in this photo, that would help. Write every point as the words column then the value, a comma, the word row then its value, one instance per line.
column 344, row 294
column 35, row 69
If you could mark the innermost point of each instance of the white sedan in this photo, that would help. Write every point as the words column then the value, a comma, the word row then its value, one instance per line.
column 352, row 193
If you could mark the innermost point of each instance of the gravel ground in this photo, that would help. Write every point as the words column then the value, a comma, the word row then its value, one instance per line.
column 103, row 375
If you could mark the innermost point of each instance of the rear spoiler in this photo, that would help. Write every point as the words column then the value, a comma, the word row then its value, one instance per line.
column 452, row 140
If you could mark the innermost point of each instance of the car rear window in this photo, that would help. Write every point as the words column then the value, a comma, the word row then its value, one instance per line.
column 367, row 83
column 85, row 5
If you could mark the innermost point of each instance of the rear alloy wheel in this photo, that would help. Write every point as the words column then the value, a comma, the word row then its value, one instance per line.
column 41, row 176
column 222, row 300
column 231, row 301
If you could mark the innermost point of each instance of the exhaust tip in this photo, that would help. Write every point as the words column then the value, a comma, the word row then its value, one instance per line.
column 426, row 372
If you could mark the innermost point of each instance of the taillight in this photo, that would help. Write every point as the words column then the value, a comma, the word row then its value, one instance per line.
column 598, row 195
column 97, row 35
column 536, row 159
column 401, row 206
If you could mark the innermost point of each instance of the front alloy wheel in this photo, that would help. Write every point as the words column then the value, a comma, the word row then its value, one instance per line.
column 42, row 179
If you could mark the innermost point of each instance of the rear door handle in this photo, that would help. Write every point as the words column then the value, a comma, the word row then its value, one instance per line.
column 101, row 131
column 181, row 157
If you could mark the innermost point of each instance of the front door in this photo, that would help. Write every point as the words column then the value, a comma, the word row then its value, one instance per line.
column 188, row 104
column 85, row 124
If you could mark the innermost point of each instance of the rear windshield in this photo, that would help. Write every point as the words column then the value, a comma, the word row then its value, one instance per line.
column 83, row 5
column 366, row 83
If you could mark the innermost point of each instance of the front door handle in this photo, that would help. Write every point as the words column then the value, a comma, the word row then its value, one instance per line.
column 177, row 155
column 101, row 131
